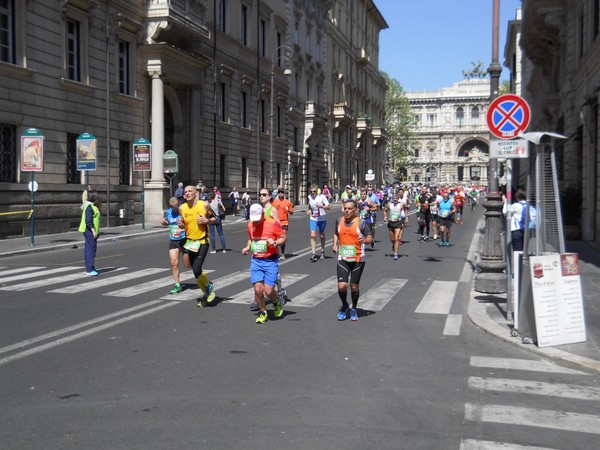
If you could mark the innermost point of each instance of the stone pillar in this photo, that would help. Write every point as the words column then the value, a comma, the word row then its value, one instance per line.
column 195, row 149
column 156, row 189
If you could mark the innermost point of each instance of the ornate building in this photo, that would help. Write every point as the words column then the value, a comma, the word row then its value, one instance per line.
column 451, row 143
column 246, row 93
column 560, row 71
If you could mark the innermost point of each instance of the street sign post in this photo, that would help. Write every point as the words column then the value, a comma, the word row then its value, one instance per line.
column 513, row 148
column 508, row 116
column 142, row 161
column 32, row 160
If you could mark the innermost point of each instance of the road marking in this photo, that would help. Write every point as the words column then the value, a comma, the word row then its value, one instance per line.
column 82, row 334
column 438, row 298
column 521, row 364
column 62, row 331
column 40, row 273
column 532, row 417
column 379, row 295
column 316, row 294
column 19, row 270
column 246, row 296
column 50, row 281
column 194, row 293
column 453, row 323
column 472, row 444
column 151, row 285
column 106, row 281
column 535, row 388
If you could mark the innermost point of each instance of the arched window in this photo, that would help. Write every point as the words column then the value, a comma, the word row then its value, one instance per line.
column 475, row 115
column 460, row 116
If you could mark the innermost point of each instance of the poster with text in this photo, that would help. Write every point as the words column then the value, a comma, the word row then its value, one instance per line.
column 557, row 299
column 141, row 158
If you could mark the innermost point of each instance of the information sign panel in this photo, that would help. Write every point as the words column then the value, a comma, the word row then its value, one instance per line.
column 32, row 151
column 513, row 148
column 87, row 154
column 142, row 152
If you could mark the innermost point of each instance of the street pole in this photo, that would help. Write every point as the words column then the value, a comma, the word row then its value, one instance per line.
column 491, row 277
column 285, row 55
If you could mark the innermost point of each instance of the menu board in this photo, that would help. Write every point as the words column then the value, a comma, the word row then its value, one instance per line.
column 557, row 299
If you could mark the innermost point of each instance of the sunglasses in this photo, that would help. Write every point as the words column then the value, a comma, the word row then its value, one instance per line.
column 262, row 194
column 313, row 192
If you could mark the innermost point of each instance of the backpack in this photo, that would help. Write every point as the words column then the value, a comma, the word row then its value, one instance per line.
column 532, row 216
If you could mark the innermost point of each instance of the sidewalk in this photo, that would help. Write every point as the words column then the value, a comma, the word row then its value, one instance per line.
column 487, row 311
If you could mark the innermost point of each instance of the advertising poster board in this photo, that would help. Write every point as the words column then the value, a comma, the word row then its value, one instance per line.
column 32, row 151
column 557, row 299
column 87, row 154
column 142, row 151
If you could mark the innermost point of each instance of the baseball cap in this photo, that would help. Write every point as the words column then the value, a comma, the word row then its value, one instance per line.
column 256, row 212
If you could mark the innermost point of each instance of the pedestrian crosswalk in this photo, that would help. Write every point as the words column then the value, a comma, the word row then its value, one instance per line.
column 233, row 288
column 573, row 414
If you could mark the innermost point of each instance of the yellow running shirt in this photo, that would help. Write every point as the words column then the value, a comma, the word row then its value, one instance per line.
column 193, row 230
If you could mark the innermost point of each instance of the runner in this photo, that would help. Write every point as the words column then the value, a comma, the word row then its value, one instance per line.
column 395, row 215
column 284, row 208
column 351, row 234
column 317, row 204
column 264, row 235
column 196, row 215
column 176, row 240
column 447, row 209
column 375, row 205
column 422, row 202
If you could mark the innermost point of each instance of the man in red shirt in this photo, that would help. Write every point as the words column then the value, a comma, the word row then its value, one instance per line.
column 284, row 207
column 264, row 235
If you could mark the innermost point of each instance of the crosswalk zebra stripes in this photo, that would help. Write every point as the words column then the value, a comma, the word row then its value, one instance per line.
column 149, row 280
column 520, row 414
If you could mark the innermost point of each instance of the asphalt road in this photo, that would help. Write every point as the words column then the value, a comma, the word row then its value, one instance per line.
column 120, row 364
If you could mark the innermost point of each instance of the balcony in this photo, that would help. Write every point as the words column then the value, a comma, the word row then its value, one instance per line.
column 362, row 57
column 176, row 18
column 342, row 115
column 363, row 123
column 379, row 136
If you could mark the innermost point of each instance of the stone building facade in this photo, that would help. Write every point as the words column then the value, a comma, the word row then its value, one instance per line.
column 560, row 71
column 208, row 80
column 451, row 137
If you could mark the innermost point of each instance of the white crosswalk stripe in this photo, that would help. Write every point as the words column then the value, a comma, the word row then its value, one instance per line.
column 38, row 273
column 379, row 296
column 520, row 414
column 148, row 286
column 19, row 270
column 246, row 296
column 106, row 281
column 194, row 293
column 438, row 298
column 316, row 294
column 50, row 281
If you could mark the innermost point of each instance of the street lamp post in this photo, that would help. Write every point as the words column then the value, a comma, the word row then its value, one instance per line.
column 286, row 55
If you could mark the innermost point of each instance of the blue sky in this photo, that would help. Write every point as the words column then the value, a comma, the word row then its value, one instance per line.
column 430, row 42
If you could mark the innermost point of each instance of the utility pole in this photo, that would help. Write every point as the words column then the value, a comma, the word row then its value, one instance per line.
column 491, row 278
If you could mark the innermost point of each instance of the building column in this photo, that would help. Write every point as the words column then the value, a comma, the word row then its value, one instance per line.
column 156, row 189
column 195, row 156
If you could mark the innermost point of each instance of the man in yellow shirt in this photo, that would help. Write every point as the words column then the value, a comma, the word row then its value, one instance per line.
column 195, row 216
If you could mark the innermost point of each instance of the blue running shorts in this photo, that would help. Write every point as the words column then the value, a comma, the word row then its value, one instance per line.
column 318, row 226
column 264, row 270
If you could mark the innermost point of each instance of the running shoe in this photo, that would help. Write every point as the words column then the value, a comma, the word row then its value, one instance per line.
column 447, row 244
column 278, row 309
column 314, row 258
column 254, row 305
column 93, row 273
column 322, row 256
column 441, row 244
column 210, row 298
column 435, row 236
column 396, row 256
column 201, row 303
column 213, row 251
column 353, row 315
column 224, row 251
column 262, row 317
column 282, row 256
column 342, row 313
column 176, row 290
column 281, row 294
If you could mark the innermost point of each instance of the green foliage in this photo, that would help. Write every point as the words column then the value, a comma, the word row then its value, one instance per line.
column 399, row 122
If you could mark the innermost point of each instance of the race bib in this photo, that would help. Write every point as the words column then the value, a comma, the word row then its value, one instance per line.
column 445, row 213
column 258, row 246
column 192, row 246
column 348, row 252
column 315, row 211
column 394, row 216
column 175, row 231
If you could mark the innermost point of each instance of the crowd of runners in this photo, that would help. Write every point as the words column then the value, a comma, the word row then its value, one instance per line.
column 435, row 209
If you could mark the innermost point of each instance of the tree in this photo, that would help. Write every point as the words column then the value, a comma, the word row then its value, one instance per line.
column 399, row 123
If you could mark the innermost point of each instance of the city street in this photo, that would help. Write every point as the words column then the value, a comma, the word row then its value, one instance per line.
column 116, row 362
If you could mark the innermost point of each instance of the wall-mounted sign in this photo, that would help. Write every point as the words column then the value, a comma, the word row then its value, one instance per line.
column 142, row 152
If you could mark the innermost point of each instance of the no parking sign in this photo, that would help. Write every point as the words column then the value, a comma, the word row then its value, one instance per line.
column 508, row 116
